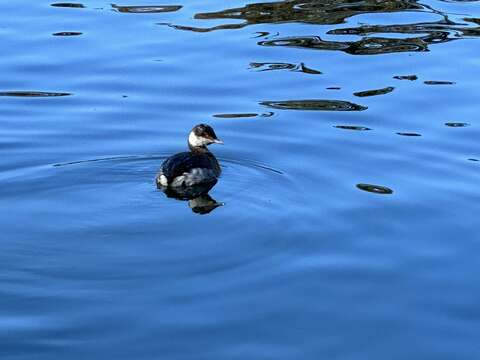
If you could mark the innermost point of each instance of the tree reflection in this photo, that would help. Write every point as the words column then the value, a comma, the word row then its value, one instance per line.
column 419, row 36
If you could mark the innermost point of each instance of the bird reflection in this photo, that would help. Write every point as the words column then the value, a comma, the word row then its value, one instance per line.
column 197, row 196
column 203, row 204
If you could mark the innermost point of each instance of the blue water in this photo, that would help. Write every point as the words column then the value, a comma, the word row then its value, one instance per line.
column 344, row 225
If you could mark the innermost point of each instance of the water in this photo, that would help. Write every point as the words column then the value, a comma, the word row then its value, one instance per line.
column 344, row 225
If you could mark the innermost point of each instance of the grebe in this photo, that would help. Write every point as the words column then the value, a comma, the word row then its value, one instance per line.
column 197, row 166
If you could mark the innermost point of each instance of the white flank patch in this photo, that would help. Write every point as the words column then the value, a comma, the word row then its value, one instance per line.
column 163, row 180
column 178, row 181
column 194, row 177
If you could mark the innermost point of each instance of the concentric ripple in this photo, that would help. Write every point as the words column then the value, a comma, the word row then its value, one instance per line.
column 242, row 183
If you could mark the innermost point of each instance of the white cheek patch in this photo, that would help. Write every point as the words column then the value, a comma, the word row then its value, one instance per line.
column 195, row 140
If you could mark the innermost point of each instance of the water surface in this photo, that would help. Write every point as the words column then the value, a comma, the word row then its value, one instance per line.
column 344, row 225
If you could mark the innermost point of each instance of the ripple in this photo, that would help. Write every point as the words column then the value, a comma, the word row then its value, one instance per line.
column 146, row 9
column 134, row 158
column 243, row 182
column 425, row 33
column 352, row 127
column 284, row 66
column 304, row 11
column 85, row 231
column 243, row 115
column 234, row 116
column 67, row 33
column 366, row 46
column 437, row 28
column 202, row 30
column 409, row 37
column 260, row 34
column 377, row 189
column 268, row 114
column 319, row 105
column 457, row 124
column 32, row 93
column 382, row 91
column 304, row 69
column 435, row 82
column 406, row 77
column 473, row 20
column 408, row 134
column 252, row 164
column 68, row 5
column 311, row 42
column 272, row 66
column 111, row 158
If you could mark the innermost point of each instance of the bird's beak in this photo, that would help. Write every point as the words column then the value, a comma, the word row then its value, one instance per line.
column 217, row 141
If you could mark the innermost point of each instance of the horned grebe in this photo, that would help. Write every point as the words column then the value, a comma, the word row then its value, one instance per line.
column 193, row 167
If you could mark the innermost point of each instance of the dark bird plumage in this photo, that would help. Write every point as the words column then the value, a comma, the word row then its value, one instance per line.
column 193, row 167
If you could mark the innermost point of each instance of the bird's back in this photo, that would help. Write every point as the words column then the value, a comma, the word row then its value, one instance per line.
column 189, row 162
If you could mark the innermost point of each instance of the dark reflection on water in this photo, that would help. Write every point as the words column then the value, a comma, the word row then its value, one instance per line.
column 437, row 32
column 457, row 124
column 340, row 220
column 352, row 127
column 406, row 77
column 435, row 82
column 197, row 196
column 204, row 30
column 408, row 134
column 235, row 116
column 366, row 93
column 377, row 189
column 473, row 20
column 311, row 12
column 284, row 66
column 261, row 34
column 68, row 5
column 203, row 204
column 321, row 105
column 366, row 46
column 243, row 115
column 67, row 33
column 146, row 9
column 336, row 12
column 32, row 93
column 133, row 171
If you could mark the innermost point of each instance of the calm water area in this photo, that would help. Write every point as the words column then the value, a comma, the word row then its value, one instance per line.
column 344, row 225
